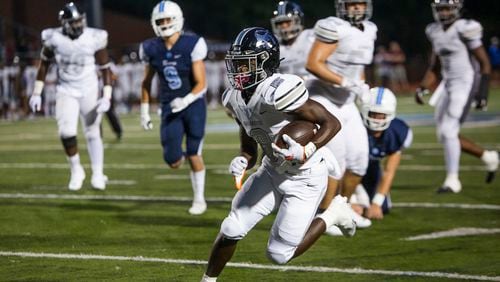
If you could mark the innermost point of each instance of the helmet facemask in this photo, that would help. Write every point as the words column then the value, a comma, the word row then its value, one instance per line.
column 167, row 19
column 74, row 27
column 246, row 71
column 379, row 109
column 446, row 12
column 354, row 16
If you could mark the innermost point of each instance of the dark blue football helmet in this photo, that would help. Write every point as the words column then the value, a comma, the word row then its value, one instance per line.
column 73, row 21
column 287, row 21
column 253, row 56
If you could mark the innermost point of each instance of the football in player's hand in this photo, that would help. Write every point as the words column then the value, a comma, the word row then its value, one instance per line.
column 299, row 130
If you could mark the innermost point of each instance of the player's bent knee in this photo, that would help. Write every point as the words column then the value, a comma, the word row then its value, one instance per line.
column 172, row 159
column 69, row 142
column 280, row 252
column 232, row 229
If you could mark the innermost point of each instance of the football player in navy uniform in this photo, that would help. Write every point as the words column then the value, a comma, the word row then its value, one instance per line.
column 77, row 49
column 455, row 41
column 292, row 180
column 387, row 136
column 177, row 58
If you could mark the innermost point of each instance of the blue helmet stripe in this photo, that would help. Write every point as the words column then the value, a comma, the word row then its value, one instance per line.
column 380, row 94
column 162, row 6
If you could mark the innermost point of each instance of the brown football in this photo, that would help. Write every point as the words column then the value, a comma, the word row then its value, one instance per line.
column 300, row 130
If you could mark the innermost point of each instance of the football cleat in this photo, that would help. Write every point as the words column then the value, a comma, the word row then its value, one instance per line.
column 339, row 213
column 491, row 160
column 77, row 177
column 361, row 222
column 99, row 181
column 450, row 185
column 198, row 208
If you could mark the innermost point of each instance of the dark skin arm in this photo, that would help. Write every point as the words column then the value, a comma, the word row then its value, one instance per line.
column 102, row 59
column 431, row 76
column 314, row 112
column 44, row 64
column 248, row 148
column 482, row 57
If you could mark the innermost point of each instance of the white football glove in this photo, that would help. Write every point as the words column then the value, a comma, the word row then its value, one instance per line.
column 295, row 151
column 35, row 103
column 358, row 87
column 237, row 168
column 36, row 97
column 145, row 117
column 179, row 104
column 103, row 105
column 350, row 83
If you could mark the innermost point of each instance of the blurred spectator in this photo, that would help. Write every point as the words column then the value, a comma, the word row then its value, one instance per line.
column 215, row 70
column 382, row 68
column 397, row 59
column 494, row 53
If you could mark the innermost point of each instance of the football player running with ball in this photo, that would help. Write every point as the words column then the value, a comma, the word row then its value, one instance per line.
column 292, row 180
column 177, row 58
column 76, row 49
column 454, row 42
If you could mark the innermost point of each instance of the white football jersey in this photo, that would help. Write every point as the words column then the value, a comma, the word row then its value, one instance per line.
column 355, row 47
column 267, row 112
column 75, row 58
column 452, row 46
column 294, row 56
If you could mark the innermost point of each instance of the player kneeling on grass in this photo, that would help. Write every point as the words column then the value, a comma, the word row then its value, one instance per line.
column 387, row 136
column 290, row 180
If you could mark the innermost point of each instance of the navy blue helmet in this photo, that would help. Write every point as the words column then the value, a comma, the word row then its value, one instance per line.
column 287, row 21
column 253, row 56
column 73, row 21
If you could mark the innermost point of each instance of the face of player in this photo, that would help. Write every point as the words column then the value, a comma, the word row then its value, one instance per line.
column 356, row 8
column 445, row 12
column 284, row 25
column 378, row 117
column 164, row 21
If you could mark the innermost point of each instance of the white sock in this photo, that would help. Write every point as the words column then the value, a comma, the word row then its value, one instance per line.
column 207, row 278
column 452, row 154
column 198, row 183
column 452, row 177
column 488, row 156
column 74, row 161
column 96, row 154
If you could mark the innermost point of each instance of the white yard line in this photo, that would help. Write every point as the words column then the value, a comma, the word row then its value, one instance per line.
column 214, row 199
column 212, row 166
column 317, row 269
column 456, row 232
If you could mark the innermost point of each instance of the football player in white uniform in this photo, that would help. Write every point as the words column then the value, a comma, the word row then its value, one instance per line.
column 291, row 181
column 453, row 41
column 343, row 46
column 295, row 42
column 76, row 49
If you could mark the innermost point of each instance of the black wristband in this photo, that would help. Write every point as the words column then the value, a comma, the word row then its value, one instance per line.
column 484, row 87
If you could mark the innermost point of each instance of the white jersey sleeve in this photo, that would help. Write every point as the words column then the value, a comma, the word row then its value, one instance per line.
column 471, row 32
column 225, row 99
column 199, row 50
column 329, row 30
column 47, row 35
column 100, row 38
column 286, row 92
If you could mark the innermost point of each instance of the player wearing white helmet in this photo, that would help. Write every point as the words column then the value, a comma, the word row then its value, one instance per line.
column 454, row 42
column 76, row 49
column 177, row 58
column 290, row 181
column 343, row 46
column 388, row 136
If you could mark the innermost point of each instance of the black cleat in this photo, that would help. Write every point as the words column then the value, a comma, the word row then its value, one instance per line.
column 490, row 176
column 444, row 190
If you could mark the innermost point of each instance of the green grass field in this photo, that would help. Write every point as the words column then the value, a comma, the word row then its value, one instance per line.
column 50, row 234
